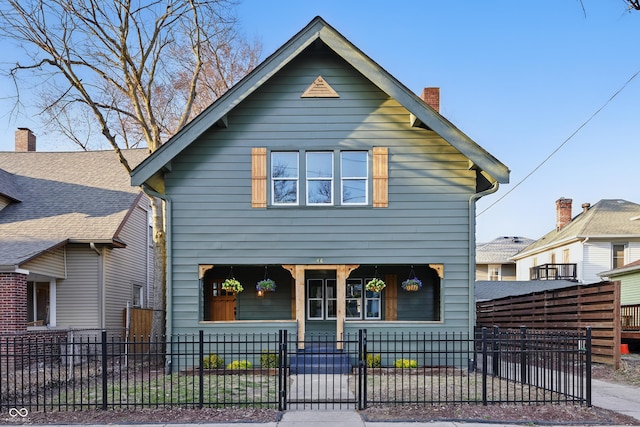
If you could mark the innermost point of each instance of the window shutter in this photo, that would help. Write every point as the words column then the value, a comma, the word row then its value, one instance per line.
column 391, row 297
column 259, row 177
column 380, row 177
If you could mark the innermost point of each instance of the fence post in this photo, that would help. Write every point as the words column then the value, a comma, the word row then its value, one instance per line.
column 104, row 369
column 484, row 366
column 588, row 355
column 201, row 368
column 495, row 352
column 362, row 369
column 282, row 370
column 523, row 355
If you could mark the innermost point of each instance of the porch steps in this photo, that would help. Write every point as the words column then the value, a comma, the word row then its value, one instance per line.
column 319, row 359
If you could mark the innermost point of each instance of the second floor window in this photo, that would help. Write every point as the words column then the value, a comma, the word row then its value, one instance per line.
column 321, row 180
column 618, row 255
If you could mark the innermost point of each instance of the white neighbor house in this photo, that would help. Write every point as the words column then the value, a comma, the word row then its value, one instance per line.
column 601, row 237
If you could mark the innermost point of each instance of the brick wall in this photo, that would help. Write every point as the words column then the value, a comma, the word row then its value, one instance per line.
column 13, row 302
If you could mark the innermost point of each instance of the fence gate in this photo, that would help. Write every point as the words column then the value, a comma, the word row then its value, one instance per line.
column 323, row 372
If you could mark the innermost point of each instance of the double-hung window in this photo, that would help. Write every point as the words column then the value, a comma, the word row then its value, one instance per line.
column 284, row 177
column 319, row 177
column 354, row 174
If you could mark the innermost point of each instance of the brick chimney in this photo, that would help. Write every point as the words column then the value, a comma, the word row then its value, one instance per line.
column 25, row 140
column 431, row 95
column 563, row 213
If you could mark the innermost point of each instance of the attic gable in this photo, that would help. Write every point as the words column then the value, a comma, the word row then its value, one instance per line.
column 319, row 31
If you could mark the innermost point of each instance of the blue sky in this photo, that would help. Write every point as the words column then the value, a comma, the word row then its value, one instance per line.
column 518, row 77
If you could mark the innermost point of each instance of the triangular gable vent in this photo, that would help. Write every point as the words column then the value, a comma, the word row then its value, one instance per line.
column 320, row 89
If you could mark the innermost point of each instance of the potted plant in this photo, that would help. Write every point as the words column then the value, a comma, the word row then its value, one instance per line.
column 266, row 285
column 412, row 284
column 232, row 285
column 375, row 285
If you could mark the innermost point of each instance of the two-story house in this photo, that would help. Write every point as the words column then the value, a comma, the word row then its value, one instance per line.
column 494, row 259
column 320, row 171
column 601, row 237
column 74, row 238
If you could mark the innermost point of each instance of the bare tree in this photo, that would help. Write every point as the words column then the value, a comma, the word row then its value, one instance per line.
column 633, row 4
column 132, row 71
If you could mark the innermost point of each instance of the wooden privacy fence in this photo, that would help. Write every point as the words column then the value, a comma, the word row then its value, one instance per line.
column 572, row 308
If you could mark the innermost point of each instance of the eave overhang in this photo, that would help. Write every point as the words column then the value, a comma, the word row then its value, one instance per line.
column 317, row 29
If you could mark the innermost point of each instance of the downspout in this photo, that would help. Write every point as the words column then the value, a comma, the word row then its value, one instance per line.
column 472, row 250
column 101, row 281
column 168, row 263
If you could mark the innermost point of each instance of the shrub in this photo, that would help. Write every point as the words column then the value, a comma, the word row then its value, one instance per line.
column 213, row 361
column 374, row 361
column 239, row 364
column 268, row 359
column 405, row 363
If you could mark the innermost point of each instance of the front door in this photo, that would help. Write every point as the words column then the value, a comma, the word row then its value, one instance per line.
column 321, row 302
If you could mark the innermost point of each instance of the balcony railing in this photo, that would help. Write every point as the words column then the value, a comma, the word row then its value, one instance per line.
column 630, row 317
column 554, row 272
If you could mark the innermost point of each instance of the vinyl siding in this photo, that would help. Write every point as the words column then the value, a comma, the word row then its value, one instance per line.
column 427, row 220
column 630, row 288
column 50, row 264
column 597, row 256
column 78, row 296
column 125, row 267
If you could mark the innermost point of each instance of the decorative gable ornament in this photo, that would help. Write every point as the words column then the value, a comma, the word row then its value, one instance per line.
column 320, row 89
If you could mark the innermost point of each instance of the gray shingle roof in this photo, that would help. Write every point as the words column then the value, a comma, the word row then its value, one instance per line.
column 8, row 187
column 607, row 218
column 64, row 196
column 501, row 249
column 488, row 290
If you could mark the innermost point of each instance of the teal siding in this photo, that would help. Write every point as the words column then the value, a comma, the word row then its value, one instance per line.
column 210, row 185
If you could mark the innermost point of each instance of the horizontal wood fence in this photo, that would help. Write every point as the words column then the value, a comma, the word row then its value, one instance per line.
column 572, row 308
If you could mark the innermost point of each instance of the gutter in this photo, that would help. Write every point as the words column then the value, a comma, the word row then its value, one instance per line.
column 168, row 265
column 472, row 250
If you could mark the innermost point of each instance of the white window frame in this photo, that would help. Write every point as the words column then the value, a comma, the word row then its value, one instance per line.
column 344, row 179
column 276, row 179
column 625, row 247
column 137, row 290
column 362, row 301
column 310, row 179
column 496, row 267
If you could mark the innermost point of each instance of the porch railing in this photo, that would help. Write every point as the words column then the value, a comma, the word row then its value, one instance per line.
column 554, row 272
column 102, row 371
column 630, row 317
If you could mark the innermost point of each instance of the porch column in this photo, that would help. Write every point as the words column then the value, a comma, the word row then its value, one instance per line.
column 341, row 301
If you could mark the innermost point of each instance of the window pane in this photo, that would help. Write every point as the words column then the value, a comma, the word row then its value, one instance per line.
column 315, row 309
column 319, row 191
column 353, row 308
column 354, row 164
column 373, row 309
column 319, row 165
column 284, row 165
column 285, row 191
column 354, row 191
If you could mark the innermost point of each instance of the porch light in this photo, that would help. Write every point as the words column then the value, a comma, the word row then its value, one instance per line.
column 260, row 293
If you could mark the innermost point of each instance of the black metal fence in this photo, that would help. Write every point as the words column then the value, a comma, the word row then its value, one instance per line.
column 72, row 371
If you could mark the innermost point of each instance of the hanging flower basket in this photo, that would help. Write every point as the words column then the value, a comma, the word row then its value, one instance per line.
column 232, row 285
column 266, row 285
column 414, row 284
column 375, row 285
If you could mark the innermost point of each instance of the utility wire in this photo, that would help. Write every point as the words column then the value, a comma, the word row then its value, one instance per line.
column 563, row 143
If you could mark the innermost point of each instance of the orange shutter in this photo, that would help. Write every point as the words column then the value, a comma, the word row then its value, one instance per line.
column 259, row 177
column 380, row 177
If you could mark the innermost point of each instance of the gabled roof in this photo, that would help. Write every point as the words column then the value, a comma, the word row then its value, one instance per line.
column 501, row 249
column 8, row 187
column 607, row 219
column 64, row 197
column 318, row 29
column 632, row 267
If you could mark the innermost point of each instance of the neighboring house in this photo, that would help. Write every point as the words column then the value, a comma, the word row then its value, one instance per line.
column 602, row 237
column 320, row 171
column 629, row 277
column 74, row 238
column 493, row 259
